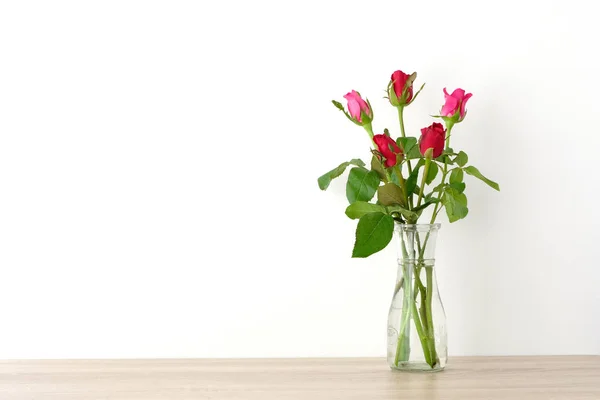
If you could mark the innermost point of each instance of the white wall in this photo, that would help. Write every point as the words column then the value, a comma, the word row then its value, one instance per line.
column 158, row 165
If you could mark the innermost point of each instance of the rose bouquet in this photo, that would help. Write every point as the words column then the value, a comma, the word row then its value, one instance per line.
column 408, row 177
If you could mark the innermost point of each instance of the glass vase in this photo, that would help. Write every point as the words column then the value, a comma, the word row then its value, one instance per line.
column 417, row 338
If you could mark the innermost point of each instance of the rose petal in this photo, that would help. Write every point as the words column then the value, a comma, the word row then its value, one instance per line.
column 463, row 104
column 449, row 108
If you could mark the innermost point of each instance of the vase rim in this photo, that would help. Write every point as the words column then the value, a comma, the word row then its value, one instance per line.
column 418, row 227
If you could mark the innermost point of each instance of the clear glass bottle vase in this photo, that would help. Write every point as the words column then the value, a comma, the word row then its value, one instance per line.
column 417, row 338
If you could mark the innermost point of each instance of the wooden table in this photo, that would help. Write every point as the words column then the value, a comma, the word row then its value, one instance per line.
column 480, row 378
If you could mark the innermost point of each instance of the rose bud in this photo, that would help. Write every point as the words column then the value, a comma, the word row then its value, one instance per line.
column 454, row 107
column 388, row 149
column 400, row 88
column 433, row 137
column 359, row 110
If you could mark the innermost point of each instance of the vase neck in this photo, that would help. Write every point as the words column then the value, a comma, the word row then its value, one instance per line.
column 416, row 243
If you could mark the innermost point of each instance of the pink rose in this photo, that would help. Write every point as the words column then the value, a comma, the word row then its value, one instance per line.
column 455, row 102
column 388, row 148
column 356, row 106
column 433, row 137
column 402, row 89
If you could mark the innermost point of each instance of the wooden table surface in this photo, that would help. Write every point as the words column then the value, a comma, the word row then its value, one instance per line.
column 480, row 378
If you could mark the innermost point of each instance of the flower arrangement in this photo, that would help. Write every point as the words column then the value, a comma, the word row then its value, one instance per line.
column 403, row 169
column 406, row 177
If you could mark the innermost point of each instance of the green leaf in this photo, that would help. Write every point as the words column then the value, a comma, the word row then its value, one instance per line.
column 338, row 105
column 326, row 179
column 410, row 216
column 378, row 167
column 430, row 196
column 373, row 233
column 438, row 188
column 417, row 94
column 395, row 178
column 458, row 186
column 410, row 80
column 446, row 157
column 433, row 170
column 361, row 185
column 360, row 208
column 411, row 181
column 456, row 175
column 426, row 204
column 390, row 194
column 455, row 205
column 462, row 158
column 406, row 143
column 471, row 170
column 409, row 147
column 414, row 153
column 460, row 198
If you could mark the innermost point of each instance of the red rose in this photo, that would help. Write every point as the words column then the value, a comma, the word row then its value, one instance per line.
column 388, row 148
column 400, row 93
column 433, row 137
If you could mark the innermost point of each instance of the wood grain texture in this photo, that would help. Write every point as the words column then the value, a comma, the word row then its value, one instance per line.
column 469, row 378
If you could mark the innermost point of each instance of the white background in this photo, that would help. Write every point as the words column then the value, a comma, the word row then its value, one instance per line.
column 158, row 165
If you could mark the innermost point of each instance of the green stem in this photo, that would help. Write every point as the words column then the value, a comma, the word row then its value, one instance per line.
column 449, row 126
column 430, row 330
column 403, row 345
column 398, row 287
column 422, row 335
column 437, row 205
column 418, row 283
column 401, row 119
column 427, row 300
column 419, row 287
column 444, row 173
column 369, row 130
column 403, row 133
column 423, row 318
column 402, row 182
column 423, row 179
